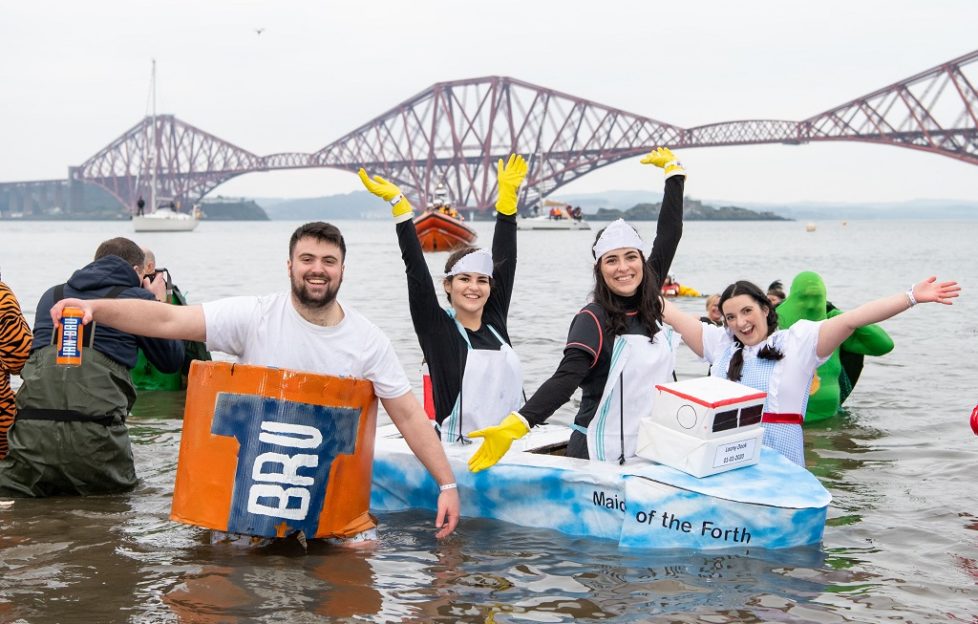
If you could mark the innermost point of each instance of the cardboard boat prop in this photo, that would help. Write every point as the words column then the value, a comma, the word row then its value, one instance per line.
column 753, row 496
column 441, row 232
column 271, row 452
column 641, row 504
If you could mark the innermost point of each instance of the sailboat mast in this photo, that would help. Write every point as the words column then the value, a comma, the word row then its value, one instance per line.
column 156, row 148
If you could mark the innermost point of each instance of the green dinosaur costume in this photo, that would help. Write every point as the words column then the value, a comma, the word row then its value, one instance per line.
column 837, row 376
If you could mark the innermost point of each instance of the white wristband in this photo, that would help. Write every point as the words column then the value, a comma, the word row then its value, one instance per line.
column 397, row 199
column 910, row 298
column 448, row 486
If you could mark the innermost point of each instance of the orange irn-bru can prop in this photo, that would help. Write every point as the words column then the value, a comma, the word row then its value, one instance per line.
column 71, row 335
column 270, row 452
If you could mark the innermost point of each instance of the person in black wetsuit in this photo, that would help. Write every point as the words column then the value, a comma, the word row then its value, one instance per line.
column 617, row 349
column 475, row 373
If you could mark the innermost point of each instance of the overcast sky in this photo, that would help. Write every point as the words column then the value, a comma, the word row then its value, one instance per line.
column 75, row 75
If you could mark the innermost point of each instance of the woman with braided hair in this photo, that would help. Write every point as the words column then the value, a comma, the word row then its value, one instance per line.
column 751, row 350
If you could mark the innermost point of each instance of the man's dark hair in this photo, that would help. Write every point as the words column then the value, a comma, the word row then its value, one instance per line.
column 325, row 232
column 124, row 248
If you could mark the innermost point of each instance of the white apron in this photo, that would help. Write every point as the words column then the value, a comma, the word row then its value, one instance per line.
column 492, row 387
column 637, row 365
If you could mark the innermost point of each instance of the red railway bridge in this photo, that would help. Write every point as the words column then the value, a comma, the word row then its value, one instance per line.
column 453, row 132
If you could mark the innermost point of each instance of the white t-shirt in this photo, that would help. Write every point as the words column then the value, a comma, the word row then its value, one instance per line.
column 268, row 331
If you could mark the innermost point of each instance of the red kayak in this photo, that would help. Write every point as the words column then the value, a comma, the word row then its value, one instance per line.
column 440, row 232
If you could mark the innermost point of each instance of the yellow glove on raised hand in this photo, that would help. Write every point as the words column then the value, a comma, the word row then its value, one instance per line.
column 388, row 191
column 496, row 440
column 664, row 158
column 509, row 177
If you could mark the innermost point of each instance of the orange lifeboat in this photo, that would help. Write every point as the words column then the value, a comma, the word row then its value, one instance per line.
column 441, row 232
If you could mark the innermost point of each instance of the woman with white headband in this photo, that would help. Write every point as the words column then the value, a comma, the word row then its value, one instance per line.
column 475, row 373
column 617, row 349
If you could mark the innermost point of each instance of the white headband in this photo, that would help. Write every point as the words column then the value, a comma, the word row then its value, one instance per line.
column 479, row 261
column 618, row 235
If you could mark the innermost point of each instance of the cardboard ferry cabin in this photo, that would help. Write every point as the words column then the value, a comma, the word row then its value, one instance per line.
column 703, row 426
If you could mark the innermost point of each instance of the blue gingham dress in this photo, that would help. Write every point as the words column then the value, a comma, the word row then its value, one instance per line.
column 786, row 381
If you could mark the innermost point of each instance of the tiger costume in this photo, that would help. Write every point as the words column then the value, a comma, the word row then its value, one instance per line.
column 15, row 346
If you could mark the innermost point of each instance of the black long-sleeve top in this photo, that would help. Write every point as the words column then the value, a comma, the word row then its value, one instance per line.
column 443, row 347
column 587, row 355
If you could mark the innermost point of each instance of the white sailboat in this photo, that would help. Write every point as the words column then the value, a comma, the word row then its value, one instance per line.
column 164, row 215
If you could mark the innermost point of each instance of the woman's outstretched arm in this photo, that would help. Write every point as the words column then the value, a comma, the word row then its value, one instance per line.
column 835, row 330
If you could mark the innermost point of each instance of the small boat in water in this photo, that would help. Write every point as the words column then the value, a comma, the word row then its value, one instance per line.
column 166, row 219
column 546, row 223
column 641, row 504
column 559, row 216
column 672, row 288
column 440, row 227
column 165, row 215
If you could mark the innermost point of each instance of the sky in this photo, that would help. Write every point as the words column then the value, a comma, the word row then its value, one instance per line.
column 76, row 75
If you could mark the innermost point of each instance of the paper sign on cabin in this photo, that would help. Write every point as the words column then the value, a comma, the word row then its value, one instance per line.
column 703, row 426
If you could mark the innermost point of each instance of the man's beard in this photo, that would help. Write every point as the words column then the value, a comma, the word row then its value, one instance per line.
column 308, row 300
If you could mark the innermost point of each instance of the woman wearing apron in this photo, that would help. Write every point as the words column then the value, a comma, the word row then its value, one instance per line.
column 475, row 373
column 752, row 351
column 617, row 349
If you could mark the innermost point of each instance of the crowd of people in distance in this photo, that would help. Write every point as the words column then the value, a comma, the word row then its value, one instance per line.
column 69, row 432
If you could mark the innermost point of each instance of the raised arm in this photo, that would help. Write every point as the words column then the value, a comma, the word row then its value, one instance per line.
column 426, row 311
column 669, row 226
column 140, row 317
column 509, row 176
column 409, row 418
column 835, row 330
column 688, row 326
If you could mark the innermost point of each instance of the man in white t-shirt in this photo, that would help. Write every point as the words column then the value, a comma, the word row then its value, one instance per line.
column 307, row 329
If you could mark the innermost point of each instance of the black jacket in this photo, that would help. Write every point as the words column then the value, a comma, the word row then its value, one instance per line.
column 95, row 281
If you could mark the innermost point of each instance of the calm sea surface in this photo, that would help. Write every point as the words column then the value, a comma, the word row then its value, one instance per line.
column 901, row 543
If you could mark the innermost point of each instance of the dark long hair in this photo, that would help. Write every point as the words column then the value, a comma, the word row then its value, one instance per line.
column 648, row 300
column 767, row 352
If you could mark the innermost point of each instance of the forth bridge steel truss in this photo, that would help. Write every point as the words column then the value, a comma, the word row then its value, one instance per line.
column 453, row 133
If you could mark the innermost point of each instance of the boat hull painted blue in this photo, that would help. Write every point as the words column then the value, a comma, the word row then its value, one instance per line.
column 641, row 505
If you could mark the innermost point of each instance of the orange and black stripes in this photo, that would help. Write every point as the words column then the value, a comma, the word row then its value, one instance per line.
column 15, row 346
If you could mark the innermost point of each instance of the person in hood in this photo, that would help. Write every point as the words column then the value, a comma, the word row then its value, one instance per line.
column 70, row 437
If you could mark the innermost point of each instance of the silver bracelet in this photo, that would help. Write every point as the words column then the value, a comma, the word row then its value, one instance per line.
column 448, row 486
column 910, row 298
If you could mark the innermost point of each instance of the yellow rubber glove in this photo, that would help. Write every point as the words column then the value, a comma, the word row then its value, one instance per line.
column 388, row 191
column 509, row 177
column 664, row 158
column 496, row 440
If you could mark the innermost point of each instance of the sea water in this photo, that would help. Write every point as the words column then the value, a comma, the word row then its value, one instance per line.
column 901, row 542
